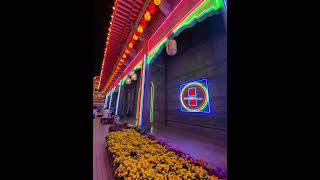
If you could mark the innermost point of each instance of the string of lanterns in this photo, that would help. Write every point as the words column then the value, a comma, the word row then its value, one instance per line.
column 132, row 77
column 142, row 25
column 109, row 31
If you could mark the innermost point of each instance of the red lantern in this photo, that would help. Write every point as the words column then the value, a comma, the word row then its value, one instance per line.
column 137, row 33
column 135, row 37
column 152, row 8
column 133, row 41
column 157, row 2
column 143, row 23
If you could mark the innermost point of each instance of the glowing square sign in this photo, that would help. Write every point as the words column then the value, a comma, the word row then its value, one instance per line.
column 192, row 91
column 194, row 96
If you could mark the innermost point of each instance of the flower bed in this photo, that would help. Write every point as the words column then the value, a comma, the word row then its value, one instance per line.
column 139, row 155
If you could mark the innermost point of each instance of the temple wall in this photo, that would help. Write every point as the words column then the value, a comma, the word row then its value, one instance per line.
column 202, row 53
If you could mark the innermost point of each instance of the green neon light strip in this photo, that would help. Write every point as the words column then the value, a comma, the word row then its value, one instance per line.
column 123, row 80
column 208, row 7
column 138, row 66
column 157, row 50
column 206, row 99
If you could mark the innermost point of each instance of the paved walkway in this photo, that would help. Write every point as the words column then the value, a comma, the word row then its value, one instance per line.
column 101, row 166
column 207, row 148
column 214, row 153
column 210, row 148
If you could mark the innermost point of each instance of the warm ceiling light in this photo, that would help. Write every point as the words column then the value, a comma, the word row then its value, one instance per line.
column 124, row 56
column 113, row 8
column 133, row 41
column 137, row 33
column 140, row 29
column 147, row 16
column 134, row 76
column 135, row 37
column 130, row 45
column 152, row 8
column 127, row 51
column 143, row 23
column 157, row 2
column 128, row 81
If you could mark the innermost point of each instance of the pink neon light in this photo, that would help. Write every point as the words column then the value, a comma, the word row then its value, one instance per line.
column 167, row 19
column 132, row 62
column 128, row 69
column 107, row 43
column 115, row 83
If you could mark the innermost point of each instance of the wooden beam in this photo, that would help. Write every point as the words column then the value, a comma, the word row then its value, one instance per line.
column 165, row 8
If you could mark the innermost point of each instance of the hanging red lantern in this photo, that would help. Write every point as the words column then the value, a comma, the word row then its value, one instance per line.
column 143, row 23
column 134, row 76
column 152, row 8
column 137, row 33
column 133, row 41
column 128, row 81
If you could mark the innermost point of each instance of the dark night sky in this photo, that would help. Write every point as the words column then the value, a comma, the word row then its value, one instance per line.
column 102, row 10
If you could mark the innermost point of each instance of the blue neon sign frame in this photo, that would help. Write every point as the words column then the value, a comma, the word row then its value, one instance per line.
column 207, row 108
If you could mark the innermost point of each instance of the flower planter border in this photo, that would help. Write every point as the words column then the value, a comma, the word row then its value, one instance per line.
column 217, row 171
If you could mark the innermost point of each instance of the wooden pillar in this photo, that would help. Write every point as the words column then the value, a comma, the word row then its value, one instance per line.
column 144, row 90
column 166, row 92
column 144, row 117
column 147, row 97
column 106, row 101
column 110, row 99
column 122, row 100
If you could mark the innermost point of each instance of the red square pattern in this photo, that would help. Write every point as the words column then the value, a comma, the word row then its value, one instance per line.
column 192, row 92
column 192, row 101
